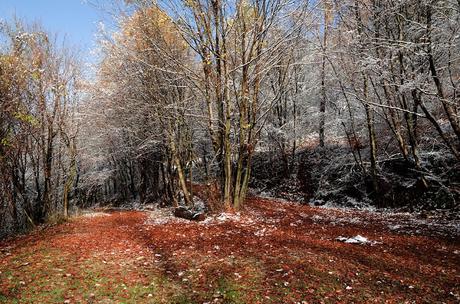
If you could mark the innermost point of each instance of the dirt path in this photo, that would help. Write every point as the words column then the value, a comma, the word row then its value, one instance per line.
column 272, row 252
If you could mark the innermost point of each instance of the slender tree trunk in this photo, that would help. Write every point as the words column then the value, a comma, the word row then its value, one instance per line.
column 322, row 105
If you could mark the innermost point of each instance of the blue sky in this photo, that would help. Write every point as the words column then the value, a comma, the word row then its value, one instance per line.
column 75, row 19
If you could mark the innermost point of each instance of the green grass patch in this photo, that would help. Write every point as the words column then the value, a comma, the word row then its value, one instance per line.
column 230, row 291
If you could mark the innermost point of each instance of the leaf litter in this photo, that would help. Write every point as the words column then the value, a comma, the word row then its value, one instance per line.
column 269, row 252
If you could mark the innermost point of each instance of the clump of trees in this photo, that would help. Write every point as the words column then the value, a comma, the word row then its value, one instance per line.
column 38, row 128
column 355, row 96
column 190, row 84
column 371, row 85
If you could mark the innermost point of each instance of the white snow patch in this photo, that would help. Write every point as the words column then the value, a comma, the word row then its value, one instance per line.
column 394, row 227
column 355, row 240
column 317, row 218
column 95, row 214
column 163, row 216
column 243, row 220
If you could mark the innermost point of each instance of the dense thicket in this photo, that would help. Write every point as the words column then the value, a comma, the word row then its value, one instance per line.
column 336, row 100
column 386, row 101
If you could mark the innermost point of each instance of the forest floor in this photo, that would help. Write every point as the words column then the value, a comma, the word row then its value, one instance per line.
column 271, row 252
